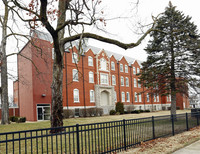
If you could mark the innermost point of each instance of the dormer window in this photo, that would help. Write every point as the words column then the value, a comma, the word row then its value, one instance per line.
column 121, row 68
column 90, row 61
column 113, row 65
column 103, row 64
column 126, row 69
column 74, row 58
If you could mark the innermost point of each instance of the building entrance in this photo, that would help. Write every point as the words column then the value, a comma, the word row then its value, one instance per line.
column 43, row 112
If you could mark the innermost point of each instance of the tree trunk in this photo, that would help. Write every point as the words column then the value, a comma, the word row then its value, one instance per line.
column 4, row 78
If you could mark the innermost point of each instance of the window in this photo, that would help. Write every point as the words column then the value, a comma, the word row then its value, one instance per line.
column 147, row 97
column 113, row 65
column 76, row 95
column 122, row 81
column 134, row 71
column 115, row 96
column 127, row 81
column 127, row 97
column 90, row 61
column 113, row 80
column 91, row 77
column 135, row 83
column 74, row 58
column 154, row 97
column 121, row 68
column 91, row 95
column 140, row 97
column 139, row 84
column 123, row 96
column 53, row 53
column 75, row 75
column 157, row 98
column 138, row 70
column 104, row 78
column 169, row 98
column 135, row 97
column 126, row 69
column 103, row 64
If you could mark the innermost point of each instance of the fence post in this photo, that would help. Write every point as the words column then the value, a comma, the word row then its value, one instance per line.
column 124, row 124
column 153, row 127
column 172, row 118
column 77, row 138
column 186, row 116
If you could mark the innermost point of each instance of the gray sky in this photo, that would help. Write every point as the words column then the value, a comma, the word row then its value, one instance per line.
column 124, row 29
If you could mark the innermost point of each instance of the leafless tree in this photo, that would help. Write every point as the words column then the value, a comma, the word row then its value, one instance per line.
column 72, row 18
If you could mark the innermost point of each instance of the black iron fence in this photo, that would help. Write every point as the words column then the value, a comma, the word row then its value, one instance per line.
column 97, row 137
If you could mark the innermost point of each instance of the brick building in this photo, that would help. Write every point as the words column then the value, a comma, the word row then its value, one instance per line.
column 96, row 78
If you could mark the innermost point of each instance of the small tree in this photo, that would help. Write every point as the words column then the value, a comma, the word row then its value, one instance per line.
column 120, row 107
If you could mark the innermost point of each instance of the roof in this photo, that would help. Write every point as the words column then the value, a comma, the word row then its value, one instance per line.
column 42, row 35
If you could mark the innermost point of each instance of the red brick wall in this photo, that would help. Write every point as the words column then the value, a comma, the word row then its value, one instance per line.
column 12, row 112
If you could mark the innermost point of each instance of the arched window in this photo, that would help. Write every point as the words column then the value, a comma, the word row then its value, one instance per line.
column 103, row 64
column 135, row 83
column 74, row 58
column 134, row 71
column 147, row 97
column 76, row 95
column 121, row 68
column 135, row 97
column 113, row 80
column 127, row 81
column 123, row 96
column 113, row 65
column 122, row 81
column 90, row 61
column 75, row 74
column 91, row 77
column 126, row 68
column 127, row 96
column 91, row 95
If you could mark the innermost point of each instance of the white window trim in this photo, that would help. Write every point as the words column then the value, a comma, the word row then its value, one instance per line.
column 140, row 97
column 112, row 80
column 107, row 79
column 92, row 101
column 89, row 57
column 115, row 94
column 139, row 85
column 121, row 80
column 135, row 83
column 121, row 70
column 92, row 77
column 138, row 70
column 126, row 68
column 127, row 85
column 101, row 64
column 78, row 101
column 112, row 64
column 123, row 94
column 134, row 70
column 74, row 60
column 136, row 96
column 128, row 98
column 147, row 97
column 73, row 75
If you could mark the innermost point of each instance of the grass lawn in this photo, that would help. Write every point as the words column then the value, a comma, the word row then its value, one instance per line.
column 72, row 121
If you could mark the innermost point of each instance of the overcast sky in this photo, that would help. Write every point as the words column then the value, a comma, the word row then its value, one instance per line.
column 124, row 29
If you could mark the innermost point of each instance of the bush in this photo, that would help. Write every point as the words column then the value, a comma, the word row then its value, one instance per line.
column 83, row 112
column 147, row 111
column 178, row 108
column 12, row 118
column 21, row 119
column 130, row 108
column 99, row 111
column 163, row 108
column 91, row 112
column 136, row 111
column 117, row 113
column 125, row 112
column 141, row 111
column 112, row 112
column 68, row 113
column 120, row 107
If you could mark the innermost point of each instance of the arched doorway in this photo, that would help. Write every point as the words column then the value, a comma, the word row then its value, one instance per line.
column 104, row 98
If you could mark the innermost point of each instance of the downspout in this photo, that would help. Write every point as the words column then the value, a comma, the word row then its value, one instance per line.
column 66, row 80
column 119, row 82
column 83, row 81
column 131, row 84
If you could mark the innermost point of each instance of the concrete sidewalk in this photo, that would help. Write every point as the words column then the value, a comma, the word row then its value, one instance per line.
column 193, row 148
